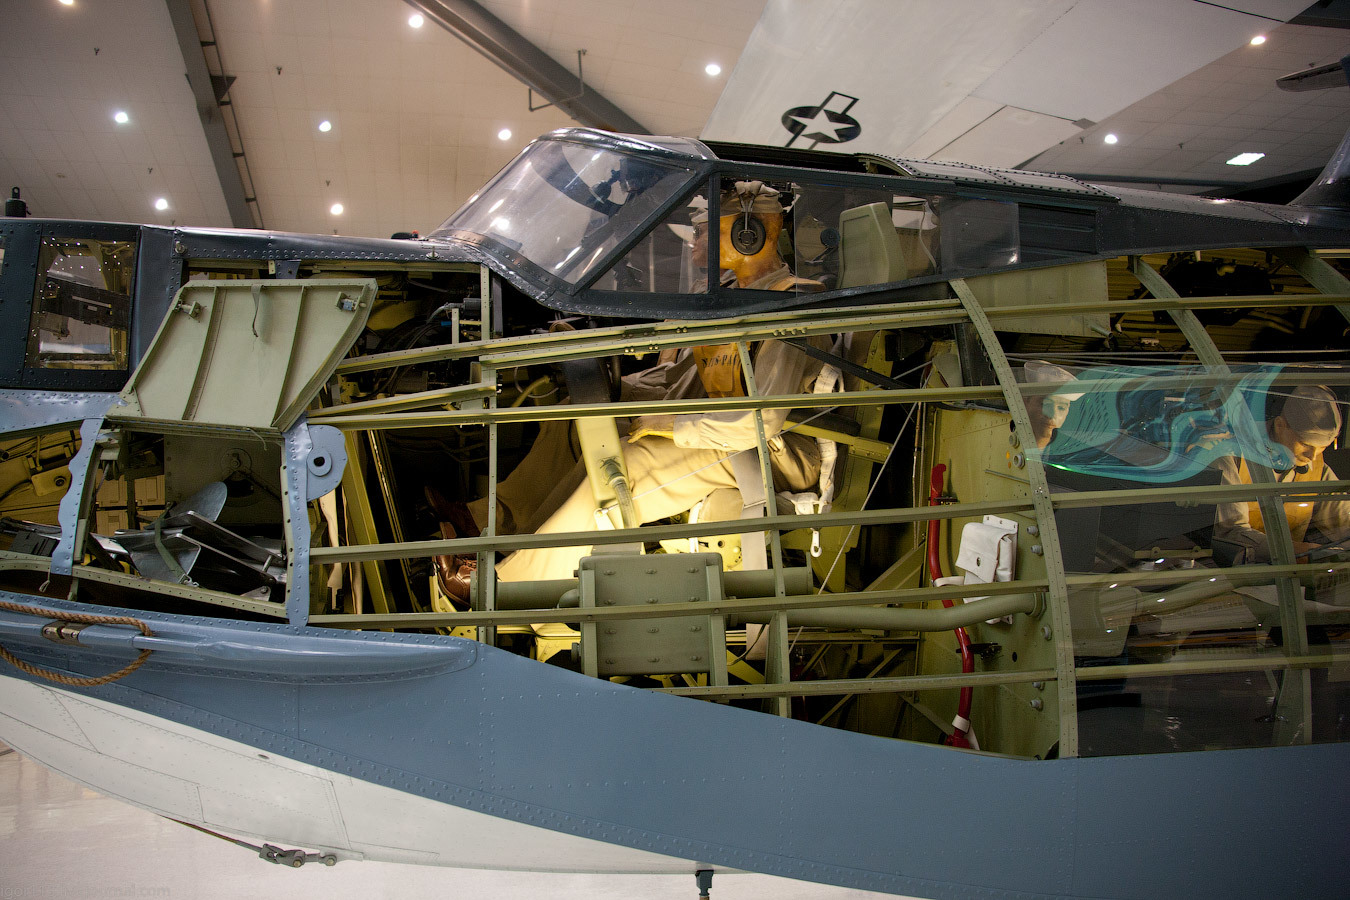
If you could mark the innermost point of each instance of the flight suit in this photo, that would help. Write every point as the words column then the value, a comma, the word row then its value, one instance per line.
column 1242, row 523
column 669, row 476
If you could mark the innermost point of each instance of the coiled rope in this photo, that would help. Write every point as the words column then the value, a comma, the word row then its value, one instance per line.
column 75, row 619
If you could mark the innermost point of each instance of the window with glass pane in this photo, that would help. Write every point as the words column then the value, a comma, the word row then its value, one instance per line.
column 787, row 236
column 1160, row 572
column 82, row 305
column 672, row 258
column 842, row 237
column 565, row 206
column 979, row 234
column 1184, row 712
column 850, row 238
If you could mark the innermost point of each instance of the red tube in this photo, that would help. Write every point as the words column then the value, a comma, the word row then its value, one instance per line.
column 934, row 498
column 958, row 737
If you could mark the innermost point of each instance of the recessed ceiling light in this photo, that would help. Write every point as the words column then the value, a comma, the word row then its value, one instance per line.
column 713, row 69
column 67, row 2
column 336, row 209
column 161, row 204
column 1245, row 159
column 1110, row 139
column 504, row 134
column 325, row 126
column 121, row 118
column 1258, row 40
column 416, row 20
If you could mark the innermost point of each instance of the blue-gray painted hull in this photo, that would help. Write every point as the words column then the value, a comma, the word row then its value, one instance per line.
column 482, row 729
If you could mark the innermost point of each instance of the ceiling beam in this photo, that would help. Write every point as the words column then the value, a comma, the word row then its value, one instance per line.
column 211, row 115
column 537, row 70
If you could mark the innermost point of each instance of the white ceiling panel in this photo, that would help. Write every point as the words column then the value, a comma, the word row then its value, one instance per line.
column 1103, row 55
column 61, row 96
column 391, row 92
column 642, row 50
column 1194, row 125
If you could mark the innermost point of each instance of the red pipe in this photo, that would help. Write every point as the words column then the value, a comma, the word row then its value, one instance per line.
column 958, row 737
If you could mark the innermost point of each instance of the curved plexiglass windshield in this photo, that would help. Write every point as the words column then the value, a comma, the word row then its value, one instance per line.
column 564, row 206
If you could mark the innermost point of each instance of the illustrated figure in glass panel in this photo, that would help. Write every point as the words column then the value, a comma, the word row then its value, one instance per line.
column 1309, row 423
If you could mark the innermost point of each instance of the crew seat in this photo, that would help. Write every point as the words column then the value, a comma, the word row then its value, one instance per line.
column 870, row 250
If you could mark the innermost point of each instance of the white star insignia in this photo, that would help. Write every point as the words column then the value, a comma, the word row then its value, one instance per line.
column 820, row 127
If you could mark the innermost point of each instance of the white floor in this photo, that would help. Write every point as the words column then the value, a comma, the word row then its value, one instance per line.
column 59, row 840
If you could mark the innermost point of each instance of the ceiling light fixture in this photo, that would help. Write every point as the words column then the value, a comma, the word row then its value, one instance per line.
column 67, row 2
column 121, row 118
column 1245, row 159
column 325, row 126
column 1258, row 40
column 336, row 209
column 713, row 69
column 161, row 204
column 504, row 134
column 416, row 20
column 1110, row 139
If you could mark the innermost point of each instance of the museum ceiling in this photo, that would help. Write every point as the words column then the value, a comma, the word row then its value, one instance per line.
column 418, row 118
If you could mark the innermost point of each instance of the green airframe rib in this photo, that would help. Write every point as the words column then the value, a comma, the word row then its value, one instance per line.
column 728, row 606
column 659, row 335
column 410, row 549
column 503, row 354
column 637, row 408
column 1058, row 599
column 1272, row 662
column 1200, row 493
column 24, row 562
column 1294, row 705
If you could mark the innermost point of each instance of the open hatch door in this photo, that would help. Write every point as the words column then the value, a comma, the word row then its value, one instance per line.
column 248, row 354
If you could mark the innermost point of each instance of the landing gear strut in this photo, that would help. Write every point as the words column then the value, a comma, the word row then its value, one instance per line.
column 704, row 878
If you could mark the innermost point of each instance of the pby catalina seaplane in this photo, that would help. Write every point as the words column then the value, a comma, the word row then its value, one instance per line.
column 945, row 538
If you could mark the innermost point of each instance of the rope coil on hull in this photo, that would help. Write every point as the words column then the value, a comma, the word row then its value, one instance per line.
column 69, row 637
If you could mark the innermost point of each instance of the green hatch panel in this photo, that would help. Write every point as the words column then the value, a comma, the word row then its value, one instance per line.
column 245, row 354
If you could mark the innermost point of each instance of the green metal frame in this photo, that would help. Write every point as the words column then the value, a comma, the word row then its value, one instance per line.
column 777, row 668
column 1062, row 633
column 22, row 562
column 653, row 337
column 863, row 685
column 1293, row 706
column 478, row 406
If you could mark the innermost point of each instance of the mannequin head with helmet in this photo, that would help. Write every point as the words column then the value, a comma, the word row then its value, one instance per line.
column 1308, row 424
column 751, row 220
column 1048, row 412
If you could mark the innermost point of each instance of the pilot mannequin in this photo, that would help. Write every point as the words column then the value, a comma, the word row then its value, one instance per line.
column 674, row 461
column 1047, row 413
column 751, row 221
column 1307, row 425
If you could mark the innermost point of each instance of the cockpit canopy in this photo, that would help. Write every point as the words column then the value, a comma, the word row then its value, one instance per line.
column 589, row 222
column 566, row 202
column 597, row 223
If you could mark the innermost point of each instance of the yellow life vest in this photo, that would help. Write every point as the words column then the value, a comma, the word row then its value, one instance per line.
column 1297, row 512
column 719, row 368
